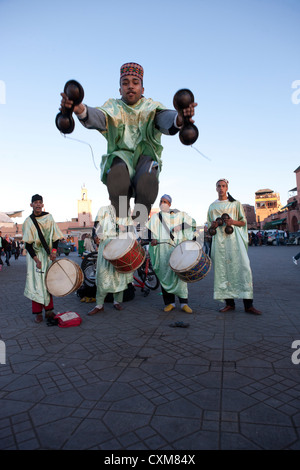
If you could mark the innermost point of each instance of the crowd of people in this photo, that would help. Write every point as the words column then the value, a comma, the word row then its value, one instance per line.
column 9, row 247
column 262, row 237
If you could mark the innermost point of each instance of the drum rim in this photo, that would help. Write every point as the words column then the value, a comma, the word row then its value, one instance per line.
column 196, row 280
column 132, row 244
column 197, row 260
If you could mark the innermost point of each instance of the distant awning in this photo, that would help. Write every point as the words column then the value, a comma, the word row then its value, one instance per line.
column 4, row 218
column 289, row 204
column 14, row 213
column 277, row 222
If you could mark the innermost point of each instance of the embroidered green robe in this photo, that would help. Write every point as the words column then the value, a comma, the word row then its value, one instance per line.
column 131, row 133
column 108, row 279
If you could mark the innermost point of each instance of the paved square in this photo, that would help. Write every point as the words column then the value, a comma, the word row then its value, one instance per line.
column 128, row 381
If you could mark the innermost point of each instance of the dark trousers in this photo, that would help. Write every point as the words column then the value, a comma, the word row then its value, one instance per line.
column 247, row 302
column 170, row 298
column 143, row 186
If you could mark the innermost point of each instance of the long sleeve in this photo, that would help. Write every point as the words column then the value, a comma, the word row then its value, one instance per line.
column 165, row 122
column 93, row 118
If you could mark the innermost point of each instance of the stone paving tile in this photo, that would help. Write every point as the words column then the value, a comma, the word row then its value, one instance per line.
column 127, row 381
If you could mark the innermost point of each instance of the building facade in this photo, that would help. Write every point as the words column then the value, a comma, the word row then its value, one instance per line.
column 267, row 202
column 288, row 217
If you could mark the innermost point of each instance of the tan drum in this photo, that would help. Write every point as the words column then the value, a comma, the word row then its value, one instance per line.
column 125, row 253
column 63, row 277
column 189, row 261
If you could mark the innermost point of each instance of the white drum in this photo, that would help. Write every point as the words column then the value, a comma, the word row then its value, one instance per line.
column 63, row 277
column 189, row 261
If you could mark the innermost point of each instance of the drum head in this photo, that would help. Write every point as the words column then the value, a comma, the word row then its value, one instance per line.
column 185, row 256
column 117, row 247
column 61, row 277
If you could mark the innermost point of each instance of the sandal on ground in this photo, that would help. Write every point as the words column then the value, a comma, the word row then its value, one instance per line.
column 95, row 310
column 179, row 324
column 52, row 321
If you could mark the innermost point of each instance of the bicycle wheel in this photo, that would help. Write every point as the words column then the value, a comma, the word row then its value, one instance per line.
column 151, row 280
column 89, row 273
column 88, row 259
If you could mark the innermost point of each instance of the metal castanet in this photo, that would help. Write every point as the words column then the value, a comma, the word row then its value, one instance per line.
column 64, row 120
column 188, row 134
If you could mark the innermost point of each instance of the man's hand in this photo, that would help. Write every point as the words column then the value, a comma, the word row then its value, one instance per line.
column 186, row 112
column 37, row 262
column 67, row 103
column 214, row 224
column 237, row 223
column 154, row 242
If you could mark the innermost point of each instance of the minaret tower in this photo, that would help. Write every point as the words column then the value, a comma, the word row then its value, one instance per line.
column 85, row 209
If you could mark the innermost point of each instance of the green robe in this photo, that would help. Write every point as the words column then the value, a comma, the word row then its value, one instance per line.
column 35, row 288
column 108, row 279
column 130, row 133
column 160, row 254
column 229, row 253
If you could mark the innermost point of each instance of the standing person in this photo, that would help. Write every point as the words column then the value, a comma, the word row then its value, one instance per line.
column 259, row 237
column 16, row 248
column 207, row 240
column 265, row 238
column 38, row 259
column 232, row 271
column 1, row 248
column 7, row 249
column 89, row 244
column 108, row 279
column 167, row 229
column 133, row 126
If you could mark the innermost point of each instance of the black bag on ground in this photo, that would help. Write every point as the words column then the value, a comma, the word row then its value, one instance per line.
column 86, row 291
column 90, row 291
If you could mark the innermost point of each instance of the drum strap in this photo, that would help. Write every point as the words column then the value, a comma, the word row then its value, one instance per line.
column 41, row 236
column 165, row 225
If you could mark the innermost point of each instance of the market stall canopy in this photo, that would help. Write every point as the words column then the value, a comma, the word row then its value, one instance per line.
column 14, row 213
column 277, row 222
column 4, row 218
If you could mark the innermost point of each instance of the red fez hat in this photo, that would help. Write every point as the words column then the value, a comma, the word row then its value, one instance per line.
column 131, row 68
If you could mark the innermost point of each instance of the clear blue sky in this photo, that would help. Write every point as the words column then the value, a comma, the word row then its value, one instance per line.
column 239, row 57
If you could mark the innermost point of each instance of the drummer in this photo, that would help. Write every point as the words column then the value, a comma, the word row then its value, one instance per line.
column 38, row 259
column 167, row 229
column 108, row 279
column 133, row 126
